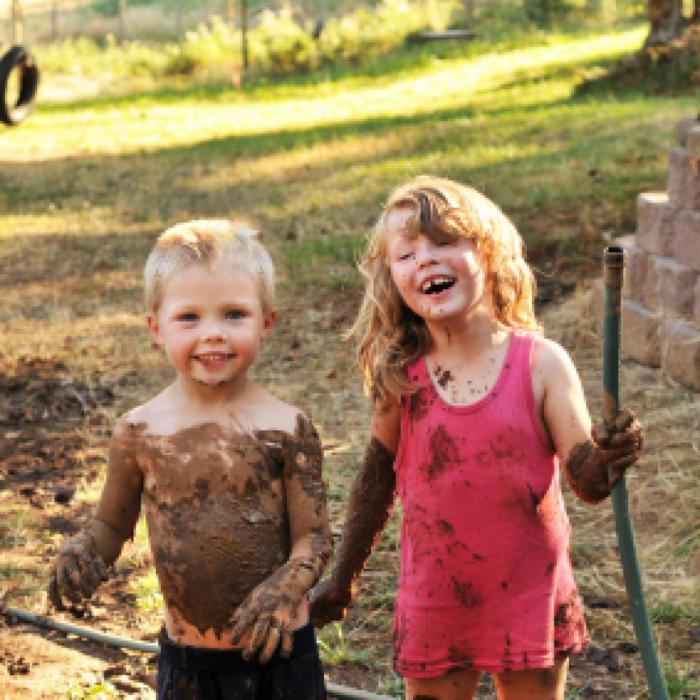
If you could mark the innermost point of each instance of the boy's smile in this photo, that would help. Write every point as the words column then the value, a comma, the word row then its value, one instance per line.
column 211, row 323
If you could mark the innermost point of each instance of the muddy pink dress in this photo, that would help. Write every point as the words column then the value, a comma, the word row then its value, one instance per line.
column 486, row 579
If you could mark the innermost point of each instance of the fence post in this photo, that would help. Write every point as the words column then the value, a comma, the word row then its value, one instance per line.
column 54, row 20
column 121, row 8
column 17, row 22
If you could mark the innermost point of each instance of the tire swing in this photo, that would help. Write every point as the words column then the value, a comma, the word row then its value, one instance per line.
column 20, row 60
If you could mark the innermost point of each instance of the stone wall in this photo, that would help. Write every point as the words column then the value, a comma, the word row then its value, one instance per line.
column 661, row 292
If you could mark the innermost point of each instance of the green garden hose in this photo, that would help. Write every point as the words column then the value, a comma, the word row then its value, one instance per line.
column 613, row 264
column 334, row 690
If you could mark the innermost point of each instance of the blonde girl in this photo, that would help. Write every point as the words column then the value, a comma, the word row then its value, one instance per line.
column 473, row 412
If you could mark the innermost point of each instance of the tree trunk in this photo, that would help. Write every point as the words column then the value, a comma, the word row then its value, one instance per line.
column 665, row 20
column 696, row 12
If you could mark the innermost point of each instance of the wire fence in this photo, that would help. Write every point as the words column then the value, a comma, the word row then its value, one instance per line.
column 44, row 21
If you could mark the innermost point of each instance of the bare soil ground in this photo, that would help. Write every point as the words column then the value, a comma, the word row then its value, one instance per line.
column 56, row 409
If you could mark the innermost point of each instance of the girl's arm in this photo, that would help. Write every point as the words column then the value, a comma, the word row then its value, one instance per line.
column 82, row 561
column 594, row 457
column 270, row 608
column 369, row 505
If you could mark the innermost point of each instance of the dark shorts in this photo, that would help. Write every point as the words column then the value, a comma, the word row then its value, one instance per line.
column 193, row 673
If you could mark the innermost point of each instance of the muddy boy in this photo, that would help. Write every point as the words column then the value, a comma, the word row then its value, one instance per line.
column 229, row 477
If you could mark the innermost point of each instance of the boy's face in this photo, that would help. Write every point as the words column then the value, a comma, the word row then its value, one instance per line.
column 211, row 323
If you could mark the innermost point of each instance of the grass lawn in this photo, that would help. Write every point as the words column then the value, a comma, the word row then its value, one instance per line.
column 87, row 182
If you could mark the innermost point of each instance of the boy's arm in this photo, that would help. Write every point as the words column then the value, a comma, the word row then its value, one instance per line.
column 369, row 505
column 82, row 561
column 594, row 457
column 274, row 603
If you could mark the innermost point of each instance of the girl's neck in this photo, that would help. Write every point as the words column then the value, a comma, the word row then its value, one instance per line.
column 471, row 336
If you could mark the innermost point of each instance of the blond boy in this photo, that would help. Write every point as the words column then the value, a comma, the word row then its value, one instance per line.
column 230, row 479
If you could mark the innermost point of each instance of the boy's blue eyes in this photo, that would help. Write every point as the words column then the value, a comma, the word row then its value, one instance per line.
column 229, row 316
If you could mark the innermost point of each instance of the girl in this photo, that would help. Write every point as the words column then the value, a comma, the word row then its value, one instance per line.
column 473, row 412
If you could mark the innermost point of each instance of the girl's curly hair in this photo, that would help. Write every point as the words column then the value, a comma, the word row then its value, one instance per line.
column 390, row 335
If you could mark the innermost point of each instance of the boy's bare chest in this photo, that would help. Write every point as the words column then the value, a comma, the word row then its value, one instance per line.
column 210, row 464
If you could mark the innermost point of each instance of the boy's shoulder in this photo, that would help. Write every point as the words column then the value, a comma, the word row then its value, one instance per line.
column 271, row 413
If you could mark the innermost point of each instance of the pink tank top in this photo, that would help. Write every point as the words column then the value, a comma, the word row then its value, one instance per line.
column 486, row 579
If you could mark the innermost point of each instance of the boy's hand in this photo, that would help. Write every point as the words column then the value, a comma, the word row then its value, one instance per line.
column 329, row 602
column 268, row 611
column 78, row 571
column 594, row 467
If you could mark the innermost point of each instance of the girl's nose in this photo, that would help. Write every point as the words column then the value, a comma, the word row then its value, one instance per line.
column 425, row 252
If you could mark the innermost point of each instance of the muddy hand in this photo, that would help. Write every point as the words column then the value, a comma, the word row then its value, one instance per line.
column 77, row 572
column 267, row 613
column 329, row 602
column 622, row 441
column 595, row 466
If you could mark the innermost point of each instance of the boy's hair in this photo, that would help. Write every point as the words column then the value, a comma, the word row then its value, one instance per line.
column 208, row 242
column 390, row 335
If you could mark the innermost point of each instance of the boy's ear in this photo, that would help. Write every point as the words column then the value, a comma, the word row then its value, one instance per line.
column 269, row 322
column 154, row 328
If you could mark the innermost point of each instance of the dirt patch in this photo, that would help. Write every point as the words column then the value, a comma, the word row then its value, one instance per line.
column 44, row 415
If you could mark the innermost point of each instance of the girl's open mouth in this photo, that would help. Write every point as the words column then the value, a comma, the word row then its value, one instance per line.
column 437, row 285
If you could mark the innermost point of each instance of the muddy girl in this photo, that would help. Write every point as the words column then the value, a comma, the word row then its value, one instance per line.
column 474, row 413
column 230, row 479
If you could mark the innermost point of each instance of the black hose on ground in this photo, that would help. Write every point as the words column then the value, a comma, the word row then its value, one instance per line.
column 341, row 692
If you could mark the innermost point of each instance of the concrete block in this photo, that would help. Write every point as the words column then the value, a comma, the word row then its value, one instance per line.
column 686, row 239
column 655, row 222
column 640, row 333
column 683, row 180
column 682, row 129
column 651, row 286
column 676, row 287
column 635, row 266
column 692, row 141
column 680, row 352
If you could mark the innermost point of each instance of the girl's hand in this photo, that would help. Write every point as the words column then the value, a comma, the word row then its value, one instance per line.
column 622, row 441
column 77, row 573
column 329, row 602
column 594, row 467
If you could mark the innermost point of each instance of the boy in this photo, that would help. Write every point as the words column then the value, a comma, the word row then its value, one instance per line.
column 230, row 478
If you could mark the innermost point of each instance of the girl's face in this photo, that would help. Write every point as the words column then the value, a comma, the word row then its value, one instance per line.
column 438, row 280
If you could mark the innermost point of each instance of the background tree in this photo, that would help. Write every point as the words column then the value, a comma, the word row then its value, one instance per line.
column 666, row 21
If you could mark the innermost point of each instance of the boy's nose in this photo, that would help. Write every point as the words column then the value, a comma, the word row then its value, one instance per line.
column 212, row 330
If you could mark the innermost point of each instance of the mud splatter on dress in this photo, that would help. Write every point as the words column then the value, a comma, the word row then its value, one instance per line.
column 486, row 579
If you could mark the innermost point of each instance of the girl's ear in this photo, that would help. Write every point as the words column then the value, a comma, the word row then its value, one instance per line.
column 154, row 328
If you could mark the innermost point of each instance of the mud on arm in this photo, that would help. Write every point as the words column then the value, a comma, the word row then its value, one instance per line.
column 593, row 457
column 81, row 563
column 369, row 506
column 273, row 604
